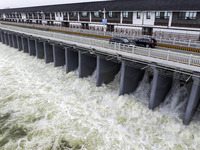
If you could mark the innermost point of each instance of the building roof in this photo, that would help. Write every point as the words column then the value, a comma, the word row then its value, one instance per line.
column 116, row 5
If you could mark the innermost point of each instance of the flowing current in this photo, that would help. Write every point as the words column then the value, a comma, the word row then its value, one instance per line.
column 42, row 107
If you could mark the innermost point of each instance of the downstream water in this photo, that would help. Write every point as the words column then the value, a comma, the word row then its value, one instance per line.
column 42, row 107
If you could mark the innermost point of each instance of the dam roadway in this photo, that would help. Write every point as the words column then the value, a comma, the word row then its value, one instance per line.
column 88, row 54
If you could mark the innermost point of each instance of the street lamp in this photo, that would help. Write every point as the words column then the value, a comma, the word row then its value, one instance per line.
column 104, row 21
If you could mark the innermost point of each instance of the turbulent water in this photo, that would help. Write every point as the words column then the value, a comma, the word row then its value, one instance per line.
column 42, row 107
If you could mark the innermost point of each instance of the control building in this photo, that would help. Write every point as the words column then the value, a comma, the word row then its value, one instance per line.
column 166, row 18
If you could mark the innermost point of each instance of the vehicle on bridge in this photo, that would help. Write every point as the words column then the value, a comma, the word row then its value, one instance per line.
column 121, row 40
column 147, row 42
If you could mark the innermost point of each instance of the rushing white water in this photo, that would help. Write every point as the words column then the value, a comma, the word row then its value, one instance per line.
column 42, row 107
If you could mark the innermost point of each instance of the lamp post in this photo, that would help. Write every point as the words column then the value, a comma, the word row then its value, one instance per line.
column 104, row 20
column 104, row 17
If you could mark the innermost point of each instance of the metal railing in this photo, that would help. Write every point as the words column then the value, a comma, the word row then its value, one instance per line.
column 170, row 41
column 191, row 60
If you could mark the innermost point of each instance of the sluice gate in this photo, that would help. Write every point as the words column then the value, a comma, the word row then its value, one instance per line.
column 107, row 66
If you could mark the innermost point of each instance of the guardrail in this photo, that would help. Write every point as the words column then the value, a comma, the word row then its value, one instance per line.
column 171, row 41
column 191, row 60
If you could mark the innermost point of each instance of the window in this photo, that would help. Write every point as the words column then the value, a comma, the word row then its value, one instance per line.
column 84, row 14
column 53, row 15
column 162, row 15
column 190, row 15
column 187, row 15
column 73, row 14
column 158, row 15
column 110, row 14
column 47, row 14
column 113, row 14
column 65, row 14
column 166, row 15
column 96, row 14
column 125, row 14
column 181, row 15
column 138, row 15
column 148, row 15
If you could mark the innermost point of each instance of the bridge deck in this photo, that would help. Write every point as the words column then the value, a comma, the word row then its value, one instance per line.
column 176, row 61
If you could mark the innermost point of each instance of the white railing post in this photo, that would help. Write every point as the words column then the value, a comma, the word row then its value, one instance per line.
column 149, row 52
column 174, row 41
column 168, row 54
column 190, row 59
column 119, row 46
column 90, row 41
column 104, row 43
column 133, row 49
column 189, row 43
column 115, row 45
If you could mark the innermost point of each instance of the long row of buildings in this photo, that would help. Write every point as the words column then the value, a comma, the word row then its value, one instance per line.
column 145, row 16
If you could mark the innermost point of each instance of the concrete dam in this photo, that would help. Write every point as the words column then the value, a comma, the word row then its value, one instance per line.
column 108, row 59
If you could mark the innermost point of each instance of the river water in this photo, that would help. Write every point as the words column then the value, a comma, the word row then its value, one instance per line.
column 42, row 107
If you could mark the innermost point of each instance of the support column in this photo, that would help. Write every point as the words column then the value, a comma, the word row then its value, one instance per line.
column 71, row 58
column 24, row 44
column 31, row 47
column 121, row 17
column 14, row 39
column 87, row 64
column 161, row 85
column 90, row 15
column 3, row 37
column 170, row 19
column 58, row 55
column 0, row 36
column 106, row 70
column 194, row 99
column 19, row 42
column 48, row 52
column 10, row 39
column 130, row 78
column 6, row 38
column 39, row 49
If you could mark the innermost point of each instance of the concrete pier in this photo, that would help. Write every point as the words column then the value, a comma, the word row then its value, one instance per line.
column 58, row 55
column 194, row 99
column 106, row 70
column 14, row 39
column 87, row 64
column 39, row 46
column 10, row 39
column 31, row 47
column 71, row 59
column 6, row 38
column 19, row 42
column 130, row 78
column 2, row 37
column 48, row 52
column 25, row 44
column 161, row 85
